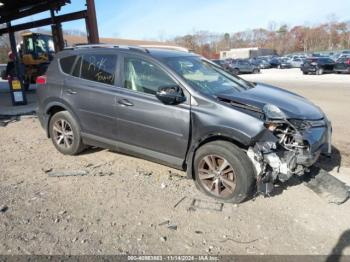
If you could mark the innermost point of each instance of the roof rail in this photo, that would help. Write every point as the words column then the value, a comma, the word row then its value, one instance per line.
column 130, row 47
column 170, row 47
column 78, row 46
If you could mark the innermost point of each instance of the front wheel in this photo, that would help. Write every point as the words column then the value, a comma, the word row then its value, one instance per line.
column 65, row 133
column 223, row 171
column 235, row 71
column 319, row 71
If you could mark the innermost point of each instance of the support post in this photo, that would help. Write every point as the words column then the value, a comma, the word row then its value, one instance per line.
column 57, row 33
column 91, row 23
column 16, row 85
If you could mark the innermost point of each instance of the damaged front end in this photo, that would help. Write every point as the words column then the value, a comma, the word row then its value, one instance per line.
column 287, row 147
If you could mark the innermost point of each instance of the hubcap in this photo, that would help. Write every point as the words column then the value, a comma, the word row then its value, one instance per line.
column 63, row 133
column 217, row 175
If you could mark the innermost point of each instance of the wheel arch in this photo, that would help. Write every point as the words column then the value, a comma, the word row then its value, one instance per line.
column 205, row 140
column 54, row 107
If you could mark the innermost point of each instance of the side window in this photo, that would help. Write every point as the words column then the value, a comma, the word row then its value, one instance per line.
column 99, row 68
column 67, row 63
column 145, row 77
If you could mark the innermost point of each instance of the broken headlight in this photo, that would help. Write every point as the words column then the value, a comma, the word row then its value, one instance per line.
column 273, row 112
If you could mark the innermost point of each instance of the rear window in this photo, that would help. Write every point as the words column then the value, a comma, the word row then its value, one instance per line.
column 99, row 68
column 66, row 63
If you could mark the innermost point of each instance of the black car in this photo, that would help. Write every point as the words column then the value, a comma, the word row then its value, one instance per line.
column 182, row 110
column 318, row 65
column 342, row 65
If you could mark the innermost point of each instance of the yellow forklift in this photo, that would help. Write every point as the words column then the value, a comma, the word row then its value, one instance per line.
column 36, row 53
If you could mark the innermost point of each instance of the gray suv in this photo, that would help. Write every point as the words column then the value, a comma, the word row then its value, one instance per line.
column 233, row 137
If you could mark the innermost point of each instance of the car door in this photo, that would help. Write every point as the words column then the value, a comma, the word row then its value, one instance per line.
column 330, row 65
column 90, row 90
column 146, row 126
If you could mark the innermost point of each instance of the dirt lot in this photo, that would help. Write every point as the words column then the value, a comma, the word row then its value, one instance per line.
column 119, row 207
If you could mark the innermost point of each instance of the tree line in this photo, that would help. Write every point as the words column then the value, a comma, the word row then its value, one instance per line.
column 328, row 36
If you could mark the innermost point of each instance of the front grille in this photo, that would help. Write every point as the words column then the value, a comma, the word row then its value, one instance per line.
column 306, row 124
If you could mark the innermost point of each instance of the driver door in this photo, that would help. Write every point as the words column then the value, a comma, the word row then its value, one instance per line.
column 146, row 126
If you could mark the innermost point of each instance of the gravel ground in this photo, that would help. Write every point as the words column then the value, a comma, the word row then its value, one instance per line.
column 125, row 205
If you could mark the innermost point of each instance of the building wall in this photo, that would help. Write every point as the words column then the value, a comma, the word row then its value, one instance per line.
column 244, row 53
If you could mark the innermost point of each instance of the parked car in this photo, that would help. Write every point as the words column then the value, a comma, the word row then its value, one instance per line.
column 296, row 62
column 182, row 110
column 240, row 66
column 261, row 63
column 274, row 62
column 283, row 63
column 342, row 65
column 318, row 65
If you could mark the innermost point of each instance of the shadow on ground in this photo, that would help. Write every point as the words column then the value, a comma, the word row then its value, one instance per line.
column 338, row 249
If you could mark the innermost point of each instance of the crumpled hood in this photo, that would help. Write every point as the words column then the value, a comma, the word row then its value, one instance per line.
column 293, row 105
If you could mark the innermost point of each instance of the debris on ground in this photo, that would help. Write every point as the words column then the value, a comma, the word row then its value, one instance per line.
column 3, row 209
column 207, row 205
column 64, row 173
column 172, row 227
column 169, row 226
column 144, row 172
column 5, row 120
column 175, row 175
column 328, row 187
column 238, row 241
column 164, row 223
column 178, row 202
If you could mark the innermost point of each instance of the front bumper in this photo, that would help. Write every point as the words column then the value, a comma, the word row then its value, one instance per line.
column 319, row 140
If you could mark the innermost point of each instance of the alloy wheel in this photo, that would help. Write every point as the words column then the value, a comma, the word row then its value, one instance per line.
column 217, row 176
column 63, row 133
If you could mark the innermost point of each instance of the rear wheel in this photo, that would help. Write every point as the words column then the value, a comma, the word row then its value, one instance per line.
column 65, row 134
column 223, row 171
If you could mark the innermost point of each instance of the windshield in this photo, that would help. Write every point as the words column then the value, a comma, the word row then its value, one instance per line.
column 205, row 76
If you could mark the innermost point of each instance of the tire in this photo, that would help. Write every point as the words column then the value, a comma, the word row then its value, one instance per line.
column 256, row 71
column 71, row 143
column 319, row 71
column 235, row 71
column 305, row 73
column 241, row 180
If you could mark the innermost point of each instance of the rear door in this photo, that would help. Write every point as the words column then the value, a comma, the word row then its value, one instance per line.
column 146, row 125
column 90, row 89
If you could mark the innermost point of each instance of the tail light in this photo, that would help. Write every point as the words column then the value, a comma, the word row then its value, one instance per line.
column 348, row 62
column 41, row 80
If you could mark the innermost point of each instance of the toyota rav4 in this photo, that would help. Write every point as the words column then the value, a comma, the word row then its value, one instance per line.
column 232, row 136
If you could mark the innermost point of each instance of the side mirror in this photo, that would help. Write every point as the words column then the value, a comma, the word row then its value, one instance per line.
column 170, row 95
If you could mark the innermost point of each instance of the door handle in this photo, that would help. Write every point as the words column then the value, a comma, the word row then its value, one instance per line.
column 71, row 92
column 125, row 102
